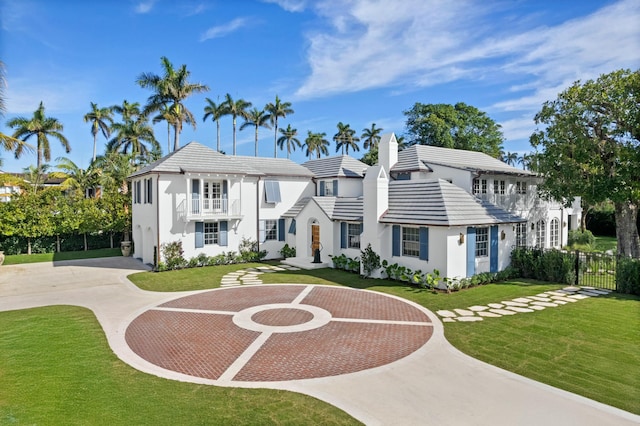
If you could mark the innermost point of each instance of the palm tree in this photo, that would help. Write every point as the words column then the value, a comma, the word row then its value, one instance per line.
column 235, row 109
column 171, row 88
column 289, row 137
column 401, row 143
column 41, row 127
column 511, row 158
column 7, row 142
column 215, row 111
column 275, row 110
column 128, row 111
column 316, row 143
column 36, row 175
column 371, row 137
column 132, row 136
column 75, row 177
column 256, row 118
column 169, row 115
column 99, row 118
column 345, row 138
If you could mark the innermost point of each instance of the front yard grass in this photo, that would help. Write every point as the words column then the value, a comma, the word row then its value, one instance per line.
column 16, row 259
column 590, row 348
column 56, row 368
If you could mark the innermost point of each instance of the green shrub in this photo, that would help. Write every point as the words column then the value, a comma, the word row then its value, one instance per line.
column 628, row 276
column 583, row 238
column 551, row 265
column 370, row 261
column 172, row 254
column 287, row 251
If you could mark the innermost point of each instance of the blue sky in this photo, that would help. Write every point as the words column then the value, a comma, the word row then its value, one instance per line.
column 355, row 61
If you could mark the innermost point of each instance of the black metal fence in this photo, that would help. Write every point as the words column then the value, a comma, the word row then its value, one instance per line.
column 595, row 269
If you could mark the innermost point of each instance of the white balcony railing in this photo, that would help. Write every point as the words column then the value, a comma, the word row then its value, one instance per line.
column 210, row 208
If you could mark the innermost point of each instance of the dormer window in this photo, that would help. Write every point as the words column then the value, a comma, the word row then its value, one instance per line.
column 329, row 188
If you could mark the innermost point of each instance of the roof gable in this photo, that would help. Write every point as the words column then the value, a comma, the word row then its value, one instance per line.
column 339, row 166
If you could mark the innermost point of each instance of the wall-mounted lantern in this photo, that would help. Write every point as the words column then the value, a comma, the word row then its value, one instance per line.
column 461, row 238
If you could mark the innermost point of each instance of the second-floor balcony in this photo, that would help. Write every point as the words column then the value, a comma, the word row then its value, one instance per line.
column 198, row 208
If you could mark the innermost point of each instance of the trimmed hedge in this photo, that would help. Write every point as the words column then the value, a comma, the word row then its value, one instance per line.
column 628, row 276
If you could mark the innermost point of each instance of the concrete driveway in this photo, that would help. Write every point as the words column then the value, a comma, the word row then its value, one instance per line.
column 433, row 385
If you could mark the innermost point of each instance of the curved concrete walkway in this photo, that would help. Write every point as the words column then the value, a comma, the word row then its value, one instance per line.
column 434, row 385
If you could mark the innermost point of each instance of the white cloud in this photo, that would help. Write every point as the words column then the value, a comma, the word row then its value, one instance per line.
column 290, row 5
column 425, row 43
column 145, row 6
column 223, row 30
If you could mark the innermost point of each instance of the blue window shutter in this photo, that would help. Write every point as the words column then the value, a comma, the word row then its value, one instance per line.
column 199, row 234
column 280, row 229
column 292, row 227
column 343, row 234
column 395, row 246
column 335, row 187
column 424, row 243
column 322, row 188
column 471, row 251
column 493, row 249
column 262, row 235
column 223, row 239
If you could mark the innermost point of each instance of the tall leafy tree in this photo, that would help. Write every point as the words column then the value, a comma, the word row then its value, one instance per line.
column 42, row 127
column 316, row 144
column 371, row 136
column 235, row 109
column 276, row 110
column 100, row 119
column 511, row 158
column 589, row 146
column 215, row 111
column 256, row 118
column 168, row 115
column 172, row 88
column 290, row 139
column 9, row 143
column 346, row 138
column 458, row 126
column 128, row 111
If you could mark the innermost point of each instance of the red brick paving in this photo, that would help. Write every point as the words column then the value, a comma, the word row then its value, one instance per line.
column 282, row 317
column 206, row 344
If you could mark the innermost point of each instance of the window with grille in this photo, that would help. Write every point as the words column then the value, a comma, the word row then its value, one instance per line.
column 271, row 230
column 476, row 186
column 482, row 242
column 555, row 233
column 498, row 187
column 521, row 234
column 540, row 233
column 411, row 242
column 353, row 238
column 521, row 188
column 211, row 233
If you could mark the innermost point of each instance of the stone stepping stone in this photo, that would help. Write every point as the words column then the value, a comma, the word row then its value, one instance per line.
column 469, row 319
column 571, row 289
column 589, row 293
column 229, row 281
column 557, row 299
column 545, row 304
column 560, row 302
column 464, row 312
column 489, row 314
column 502, row 311
column 587, row 287
column 448, row 320
column 229, row 285
column 519, row 309
column 522, row 300
column 510, row 303
column 537, row 308
column 478, row 308
column 578, row 296
column 248, row 282
column 495, row 305
column 601, row 292
column 446, row 314
column 540, row 299
column 556, row 293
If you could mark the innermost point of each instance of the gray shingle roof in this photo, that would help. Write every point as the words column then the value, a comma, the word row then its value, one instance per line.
column 336, row 208
column 418, row 158
column 440, row 203
column 197, row 158
column 340, row 166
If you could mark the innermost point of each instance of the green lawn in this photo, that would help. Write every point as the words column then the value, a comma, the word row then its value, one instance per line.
column 606, row 243
column 56, row 368
column 64, row 255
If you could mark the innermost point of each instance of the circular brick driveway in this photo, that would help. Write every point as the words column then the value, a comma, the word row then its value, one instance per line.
column 273, row 333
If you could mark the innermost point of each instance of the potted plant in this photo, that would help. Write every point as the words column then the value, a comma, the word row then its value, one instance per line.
column 125, row 248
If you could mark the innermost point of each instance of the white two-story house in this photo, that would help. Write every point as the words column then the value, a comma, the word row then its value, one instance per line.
column 211, row 202
column 425, row 208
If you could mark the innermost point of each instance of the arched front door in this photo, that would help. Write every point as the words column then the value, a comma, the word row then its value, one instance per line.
column 315, row 238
